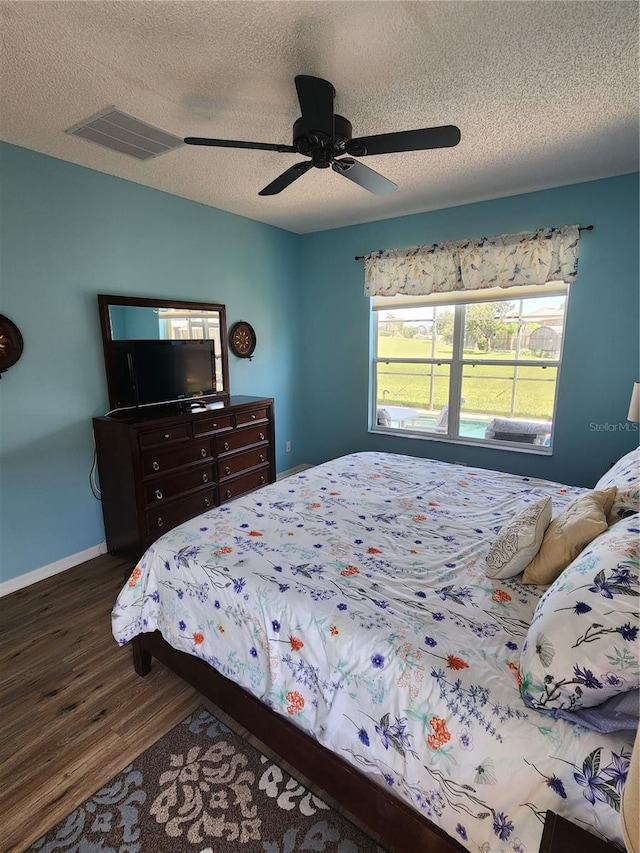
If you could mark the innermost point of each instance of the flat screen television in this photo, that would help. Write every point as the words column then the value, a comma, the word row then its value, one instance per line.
column 147, row 372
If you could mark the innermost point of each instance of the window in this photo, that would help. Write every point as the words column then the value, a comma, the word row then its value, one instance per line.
column 483, row 370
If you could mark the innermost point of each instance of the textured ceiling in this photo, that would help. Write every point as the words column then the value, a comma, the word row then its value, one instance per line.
column 545, row 94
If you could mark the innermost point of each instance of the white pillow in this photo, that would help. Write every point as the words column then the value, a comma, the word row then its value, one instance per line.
column 519, row 541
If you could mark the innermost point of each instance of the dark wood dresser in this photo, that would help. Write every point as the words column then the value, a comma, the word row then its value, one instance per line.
column 164, row 467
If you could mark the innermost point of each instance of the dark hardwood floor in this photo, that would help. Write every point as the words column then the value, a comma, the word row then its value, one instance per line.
column 73, row 712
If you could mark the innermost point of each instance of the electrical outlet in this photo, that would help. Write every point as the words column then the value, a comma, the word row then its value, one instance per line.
column 287, row 447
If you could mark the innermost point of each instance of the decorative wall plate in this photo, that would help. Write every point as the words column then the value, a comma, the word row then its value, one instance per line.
column 242, row 339
column 11, row 343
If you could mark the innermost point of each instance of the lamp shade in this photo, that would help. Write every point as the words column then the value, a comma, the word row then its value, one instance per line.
column 630, row 805
column 634, row 407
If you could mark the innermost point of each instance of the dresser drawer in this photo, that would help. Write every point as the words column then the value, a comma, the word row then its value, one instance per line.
column 240, row 438
column 240, row 485
column 153, row 437
column 212, row 425
column 169, row 487
column 233, row 465
column 166, row 460
column 164, row 518
column 258, row 416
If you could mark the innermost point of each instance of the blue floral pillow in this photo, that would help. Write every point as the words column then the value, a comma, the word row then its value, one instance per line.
column 625, row 476
column 582, row 644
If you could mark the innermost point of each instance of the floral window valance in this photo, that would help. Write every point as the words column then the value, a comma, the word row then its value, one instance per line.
column 510, row 260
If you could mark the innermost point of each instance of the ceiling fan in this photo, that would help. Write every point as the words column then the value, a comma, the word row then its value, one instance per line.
column 325, row 137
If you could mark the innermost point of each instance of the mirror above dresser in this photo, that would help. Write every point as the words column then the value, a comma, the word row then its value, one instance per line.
column 145, row 329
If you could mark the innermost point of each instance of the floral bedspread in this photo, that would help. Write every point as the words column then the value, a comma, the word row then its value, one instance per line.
column 352, row 599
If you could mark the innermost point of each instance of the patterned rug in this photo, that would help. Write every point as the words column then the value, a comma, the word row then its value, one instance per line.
column 203, row 789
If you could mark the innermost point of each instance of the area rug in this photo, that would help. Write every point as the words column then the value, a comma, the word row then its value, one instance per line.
column 203, row 789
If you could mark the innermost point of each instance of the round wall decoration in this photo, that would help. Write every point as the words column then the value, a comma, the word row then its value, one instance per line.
column 242, row 339
column 11, row 343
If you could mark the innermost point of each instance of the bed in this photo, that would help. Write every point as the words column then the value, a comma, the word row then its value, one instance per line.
column 344, row 615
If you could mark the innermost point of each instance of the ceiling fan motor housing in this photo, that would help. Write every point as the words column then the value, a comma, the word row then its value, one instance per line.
column 318, row 146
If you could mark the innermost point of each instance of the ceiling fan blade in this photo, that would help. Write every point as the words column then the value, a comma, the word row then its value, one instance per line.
column 282, row 181
column 316, row 103
column 364, row 176
column 405, row 140
column 235, row 143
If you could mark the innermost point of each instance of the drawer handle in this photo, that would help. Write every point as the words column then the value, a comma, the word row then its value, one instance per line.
column 167, row 435
column 226, row 445
column 228, row 493
column 206, row 502
column 261, row 436
column 261, row 457
column 262, row 481
column 159, row 494
column 160, row 521
column 227, row 470
column 203, row 453
column 253, row 417
column 155, row 466
column 214, row 426
column 205, row 478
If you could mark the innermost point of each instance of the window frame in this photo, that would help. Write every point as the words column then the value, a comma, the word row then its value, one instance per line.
column 457, row 363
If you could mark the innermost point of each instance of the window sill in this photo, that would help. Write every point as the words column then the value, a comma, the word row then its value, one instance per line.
column 511, row 446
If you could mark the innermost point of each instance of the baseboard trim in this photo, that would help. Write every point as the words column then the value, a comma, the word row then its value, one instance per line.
column 14, row 584
column 283, row 474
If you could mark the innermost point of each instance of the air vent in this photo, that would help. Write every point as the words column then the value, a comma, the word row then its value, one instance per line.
column 124, row 133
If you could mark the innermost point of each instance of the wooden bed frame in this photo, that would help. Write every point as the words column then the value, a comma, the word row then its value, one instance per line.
column 398, row 825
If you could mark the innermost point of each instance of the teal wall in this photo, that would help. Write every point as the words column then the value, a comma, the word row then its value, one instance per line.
column 66, row 234
column 601, row 340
